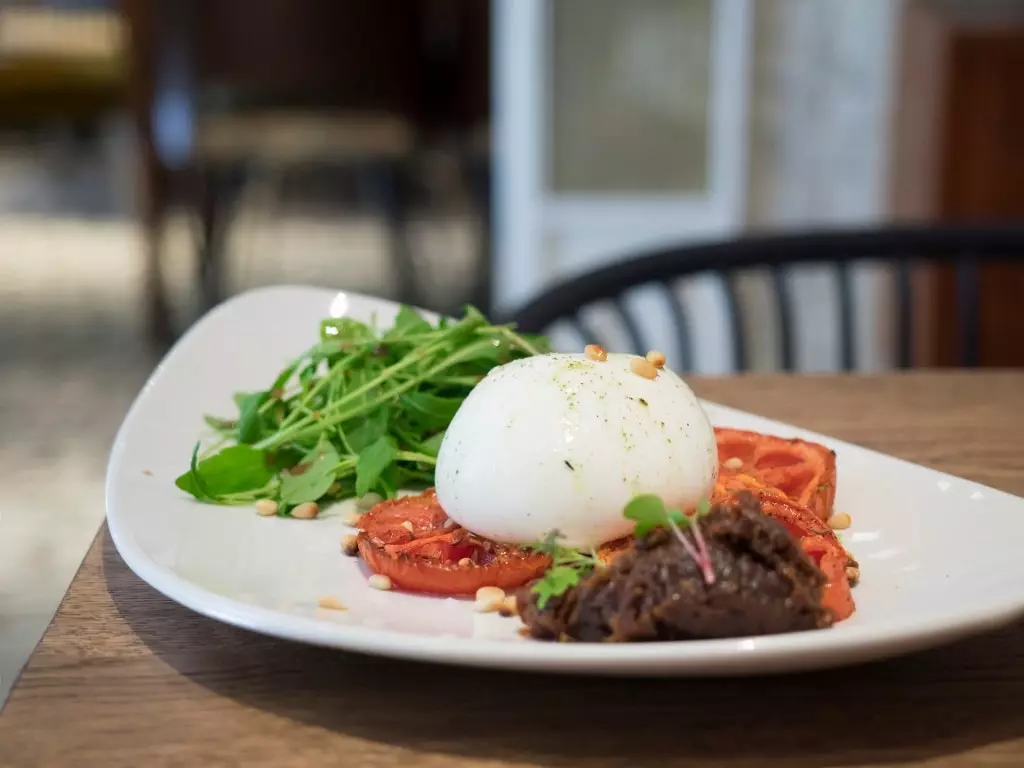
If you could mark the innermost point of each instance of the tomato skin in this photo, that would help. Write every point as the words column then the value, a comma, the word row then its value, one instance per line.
column 798, row 469
column 417, row 574
column 832, row 561
column 413, row 543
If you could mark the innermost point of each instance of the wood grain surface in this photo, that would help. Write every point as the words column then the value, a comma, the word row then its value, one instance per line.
column 125, row 677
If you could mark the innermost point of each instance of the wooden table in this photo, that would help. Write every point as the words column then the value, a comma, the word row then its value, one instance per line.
column 126, row 677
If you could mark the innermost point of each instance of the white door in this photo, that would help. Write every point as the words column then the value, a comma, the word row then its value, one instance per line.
column 619, row 126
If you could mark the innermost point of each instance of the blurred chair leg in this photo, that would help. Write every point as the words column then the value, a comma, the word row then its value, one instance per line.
column 389, row 185
column 159, row 322
column 211, row 192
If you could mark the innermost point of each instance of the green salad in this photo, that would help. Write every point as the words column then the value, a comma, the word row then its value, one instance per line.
column 361, row 412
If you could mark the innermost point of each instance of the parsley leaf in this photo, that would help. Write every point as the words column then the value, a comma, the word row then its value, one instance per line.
column 556, row 582
column 549, row 545
column 568, row 566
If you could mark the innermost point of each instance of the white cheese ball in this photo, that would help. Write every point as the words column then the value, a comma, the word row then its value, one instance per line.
column 564, row 442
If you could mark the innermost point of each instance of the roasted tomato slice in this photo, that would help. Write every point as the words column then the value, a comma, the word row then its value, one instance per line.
column 802, row 471
column 833, row 562
column 820, row 543
column 414, row 543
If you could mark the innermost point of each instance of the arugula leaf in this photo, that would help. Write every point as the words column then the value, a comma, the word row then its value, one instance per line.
column 250, row 423
column 345, row 329
column 319, row 468
column 407, row 322
column 307, row 374
column 326, row 350
column 430, row 410
column 369, row 431
column 284, row 376
column 372, row 462
column 236, row 469
column 219, row 424
column 284, row 458
column 432, row 445
column 649, row 512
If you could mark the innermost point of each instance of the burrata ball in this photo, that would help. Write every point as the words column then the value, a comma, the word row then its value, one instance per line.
column 563, row 442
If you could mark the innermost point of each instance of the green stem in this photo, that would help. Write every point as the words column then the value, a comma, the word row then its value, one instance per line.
column 420, row 458
column 300, row 430
column 332, row 375
column 329, row 416
column 519, row 341
column 224, row 440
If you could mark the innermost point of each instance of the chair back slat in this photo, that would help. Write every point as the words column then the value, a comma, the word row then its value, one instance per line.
column 583, row 328
column 783, row 316
column 904, row 299
column 737, row 331
column 901, row 247
column 681, row 326
column 844, row 307
column 629, row 323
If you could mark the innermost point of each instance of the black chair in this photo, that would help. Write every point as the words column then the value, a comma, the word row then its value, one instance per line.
column 777, row 255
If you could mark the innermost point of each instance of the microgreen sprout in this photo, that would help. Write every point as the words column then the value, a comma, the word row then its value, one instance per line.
column 649, row 512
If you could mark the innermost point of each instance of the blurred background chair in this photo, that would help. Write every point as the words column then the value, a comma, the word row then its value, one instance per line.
column 58, row 67
column 335, row 93
column 637, row 319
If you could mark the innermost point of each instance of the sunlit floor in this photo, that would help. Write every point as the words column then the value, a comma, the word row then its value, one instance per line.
column 73, row 355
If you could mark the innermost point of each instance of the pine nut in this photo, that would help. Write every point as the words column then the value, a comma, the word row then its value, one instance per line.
column 486, row 594
column 839, row 522
column 734, row 463
column 379, row 581
column 306, row 511
column 656, row 358
column 266, row 507
column 352, row 517
column 331, row 604
column 508, row 606
column 595, row 352
column 408, row 526
column 350, row 544
column 465, row 562
column 641, row 367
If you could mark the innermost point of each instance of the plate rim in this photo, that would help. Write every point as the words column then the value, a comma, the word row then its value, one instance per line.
column 767, row 654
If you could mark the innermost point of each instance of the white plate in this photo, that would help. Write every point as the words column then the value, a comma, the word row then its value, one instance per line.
column 939, row 556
